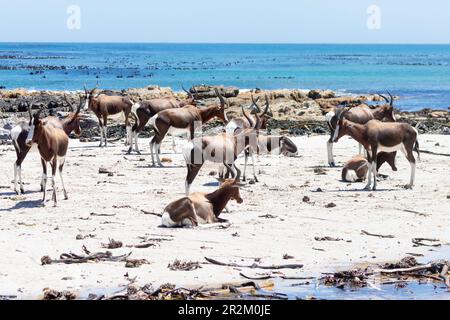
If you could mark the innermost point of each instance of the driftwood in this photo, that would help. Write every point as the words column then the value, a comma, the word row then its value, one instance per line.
column 419, row 242
column 255, row 266
column 151, row 213
column 405, row 270
column 71, row 258
column 377, row 235
column 435, row 153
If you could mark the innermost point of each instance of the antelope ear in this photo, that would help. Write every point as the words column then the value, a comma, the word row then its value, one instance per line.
column 240, row 183
column 221, row 180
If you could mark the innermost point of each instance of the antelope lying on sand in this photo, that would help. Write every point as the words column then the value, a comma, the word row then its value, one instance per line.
column 183, row 119
column 147, row 109
column 376, row 137
column 71, row 123
column 201, row 208
column 356, row 169
column 105, row 105
column 361, row 115
column 52, row 143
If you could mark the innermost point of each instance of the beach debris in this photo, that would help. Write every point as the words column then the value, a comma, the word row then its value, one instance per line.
column 151, row 213
column 352, row 279
column 268, row 216
column 144, row 245
column 166, row 160
column 306, row 199
column 320, row 171
column 255, row 265
column 236, row 235
column 93, row 214
column 287, row 257
column 135, row 263
column 103, row 170
column 82, row 237
column 331, row 205
column 178, row 265
column 366, row 233
column 331, row 239
column 424, row 242
column 50, row 294
column 72, row 258
column 112, row 244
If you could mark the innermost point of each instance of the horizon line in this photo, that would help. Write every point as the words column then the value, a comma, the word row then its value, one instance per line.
column 223, row 43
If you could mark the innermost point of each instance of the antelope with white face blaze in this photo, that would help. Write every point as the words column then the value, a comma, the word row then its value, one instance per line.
column 19, row 134
column 201, row 208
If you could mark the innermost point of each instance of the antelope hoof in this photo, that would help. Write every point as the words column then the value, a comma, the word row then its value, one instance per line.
column 367, row 188
column 16, row 191
column 42, row 188
column 129, row 151
column 332, row 165
column 138, row 152
column 408, row 187
column 256, row 179
column 244, row 179
column 22, row 191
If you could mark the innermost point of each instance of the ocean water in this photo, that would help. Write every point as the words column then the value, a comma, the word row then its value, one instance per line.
column 420, row 74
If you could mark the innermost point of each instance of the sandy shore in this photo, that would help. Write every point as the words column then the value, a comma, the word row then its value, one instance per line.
column 272, row 221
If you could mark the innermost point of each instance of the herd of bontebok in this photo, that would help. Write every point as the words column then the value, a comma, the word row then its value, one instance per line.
column 374, row 128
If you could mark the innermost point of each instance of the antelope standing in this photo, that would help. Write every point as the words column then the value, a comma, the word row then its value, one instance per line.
column 377, row 136
column 202, row 208
column 71, row 123
column 52, row 143
column 361, row 115
column 147, row 109
column 183, row 119
column 105, row 105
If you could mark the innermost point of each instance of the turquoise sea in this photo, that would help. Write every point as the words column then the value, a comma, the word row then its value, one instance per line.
column 420, row 74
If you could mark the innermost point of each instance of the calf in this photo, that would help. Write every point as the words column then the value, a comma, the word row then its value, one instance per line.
column 201, row 208
column 356, row 169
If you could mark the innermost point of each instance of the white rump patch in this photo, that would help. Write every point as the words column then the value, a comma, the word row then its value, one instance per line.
column 329, row 116
column 152, row 122
column 166, row 221
column 351, row 176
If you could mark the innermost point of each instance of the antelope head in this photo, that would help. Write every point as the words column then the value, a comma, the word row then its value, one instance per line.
column 388, row 109
column 89, row 96
column 35, row 127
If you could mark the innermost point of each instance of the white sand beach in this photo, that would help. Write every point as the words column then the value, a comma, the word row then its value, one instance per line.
column 272, row 221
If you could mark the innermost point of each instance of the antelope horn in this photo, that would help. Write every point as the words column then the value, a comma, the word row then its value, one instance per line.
column 267, row 106
column 255, row 103
column 188, row 93
column 67, row 101
column 392, row 99
column 238, row 176
column 85, row 90
column 384, row 97
column 223, row 102
column 250, row 121
column 79, row 106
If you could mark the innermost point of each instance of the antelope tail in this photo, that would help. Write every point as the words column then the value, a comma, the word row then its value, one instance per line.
column 417, row 148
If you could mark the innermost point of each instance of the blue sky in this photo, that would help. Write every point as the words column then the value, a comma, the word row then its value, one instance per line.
column 248, row 21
